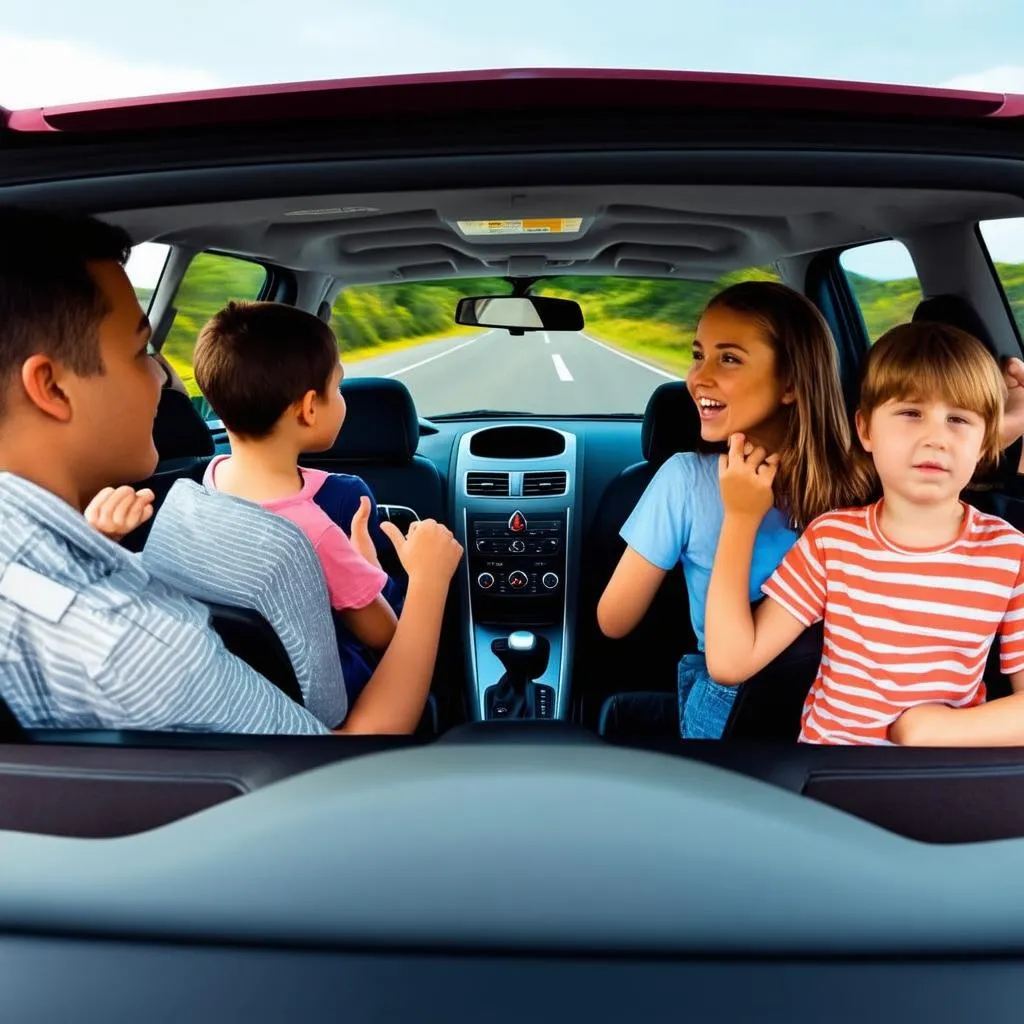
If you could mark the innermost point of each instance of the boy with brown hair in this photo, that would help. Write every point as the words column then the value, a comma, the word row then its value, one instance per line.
column 271, row 373
column 88, row 638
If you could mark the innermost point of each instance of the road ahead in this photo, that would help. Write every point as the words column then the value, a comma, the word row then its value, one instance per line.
column 541, row 372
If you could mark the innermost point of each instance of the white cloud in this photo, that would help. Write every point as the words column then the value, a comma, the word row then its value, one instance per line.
column 1007, row 78
column 49, row 72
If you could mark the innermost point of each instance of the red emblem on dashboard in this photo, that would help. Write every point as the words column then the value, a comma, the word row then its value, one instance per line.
column 518, row 522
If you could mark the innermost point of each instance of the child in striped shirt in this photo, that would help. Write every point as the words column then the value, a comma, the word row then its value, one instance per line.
column 914, row 588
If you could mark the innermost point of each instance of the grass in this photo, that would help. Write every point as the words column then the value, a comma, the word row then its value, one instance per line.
column 183, row 367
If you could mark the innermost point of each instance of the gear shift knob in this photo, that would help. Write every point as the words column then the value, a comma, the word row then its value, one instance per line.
column 522, row 640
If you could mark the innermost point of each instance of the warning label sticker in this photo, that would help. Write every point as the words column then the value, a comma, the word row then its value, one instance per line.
column 536, row 226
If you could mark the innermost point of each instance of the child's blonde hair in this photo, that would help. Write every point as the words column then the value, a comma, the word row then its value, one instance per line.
column 925, row 361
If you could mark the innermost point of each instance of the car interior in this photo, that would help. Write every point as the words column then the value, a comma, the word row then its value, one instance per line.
column 667, row 184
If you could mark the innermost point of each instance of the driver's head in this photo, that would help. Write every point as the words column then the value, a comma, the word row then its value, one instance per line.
column 78, row 390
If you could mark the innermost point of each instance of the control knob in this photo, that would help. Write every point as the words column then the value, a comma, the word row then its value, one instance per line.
column 549, row 580
column 485, row 581
column 517, row 579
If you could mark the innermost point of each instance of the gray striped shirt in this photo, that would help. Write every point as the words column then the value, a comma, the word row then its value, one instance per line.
column 89, row 639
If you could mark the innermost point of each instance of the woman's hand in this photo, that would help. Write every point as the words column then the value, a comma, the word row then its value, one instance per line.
column 746, row 474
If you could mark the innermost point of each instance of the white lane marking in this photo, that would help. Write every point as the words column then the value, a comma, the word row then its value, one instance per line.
column 639, row 362
column 547, row 340
column 560, row 368
column 439, row 355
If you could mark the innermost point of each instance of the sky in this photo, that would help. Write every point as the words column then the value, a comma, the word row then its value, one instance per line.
column 67, row 51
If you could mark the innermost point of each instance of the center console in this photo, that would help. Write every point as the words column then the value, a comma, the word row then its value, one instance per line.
column 514, row 501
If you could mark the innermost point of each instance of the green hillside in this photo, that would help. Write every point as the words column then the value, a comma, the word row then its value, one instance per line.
column 654, row 319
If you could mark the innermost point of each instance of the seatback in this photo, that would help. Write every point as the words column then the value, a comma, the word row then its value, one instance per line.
column 647, row 658
column 378, row 443
column 955, row 311
column 225, row 551
column 184, row 446
column 248, row 635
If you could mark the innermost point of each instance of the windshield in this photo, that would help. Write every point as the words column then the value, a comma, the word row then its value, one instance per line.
column 638, row 333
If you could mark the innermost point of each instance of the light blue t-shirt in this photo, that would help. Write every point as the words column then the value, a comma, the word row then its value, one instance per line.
column 679, row 518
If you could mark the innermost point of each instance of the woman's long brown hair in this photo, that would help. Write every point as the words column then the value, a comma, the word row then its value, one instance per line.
column 817, row 471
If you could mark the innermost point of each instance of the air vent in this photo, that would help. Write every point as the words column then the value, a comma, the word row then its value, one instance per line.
column 487, row 485
column 537, row 484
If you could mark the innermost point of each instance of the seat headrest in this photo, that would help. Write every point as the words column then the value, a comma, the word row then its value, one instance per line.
column 381, row 423
column 179, row 430
column 671, row 423
column 954, row 311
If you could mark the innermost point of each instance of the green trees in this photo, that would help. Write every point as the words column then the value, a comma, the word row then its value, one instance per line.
column 654, row 318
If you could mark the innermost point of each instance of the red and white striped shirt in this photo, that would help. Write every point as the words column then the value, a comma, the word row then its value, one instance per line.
column 902, row 626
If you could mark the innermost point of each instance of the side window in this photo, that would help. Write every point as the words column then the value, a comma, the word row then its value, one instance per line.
column 1004, row 240
column 884, row 283
column 144, row 267
column 210, row 281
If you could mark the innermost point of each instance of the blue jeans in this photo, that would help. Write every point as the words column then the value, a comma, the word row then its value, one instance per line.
column 704, row 705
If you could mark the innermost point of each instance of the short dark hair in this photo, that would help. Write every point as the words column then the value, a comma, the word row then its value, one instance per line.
column 50, row 303
column 254, row 359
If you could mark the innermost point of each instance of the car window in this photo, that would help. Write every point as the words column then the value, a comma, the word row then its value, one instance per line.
column 210, row 281
column 1004, row 240
column 144, row 267
column 638, row 333
column 884, row 283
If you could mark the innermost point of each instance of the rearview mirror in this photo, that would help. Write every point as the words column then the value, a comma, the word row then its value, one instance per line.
column 518, row 314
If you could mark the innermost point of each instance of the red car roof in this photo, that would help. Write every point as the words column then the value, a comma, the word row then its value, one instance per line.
column 542, row 88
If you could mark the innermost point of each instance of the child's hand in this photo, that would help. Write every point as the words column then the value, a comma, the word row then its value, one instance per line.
column 361, row 539
column 116, row 512
column 1013, row 411
column 745, row 478
column 430, row 551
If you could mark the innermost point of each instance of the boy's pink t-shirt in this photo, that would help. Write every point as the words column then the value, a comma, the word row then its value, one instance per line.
column 351, row 581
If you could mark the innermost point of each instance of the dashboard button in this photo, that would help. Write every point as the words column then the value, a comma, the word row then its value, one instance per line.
column 517, row 546
column 485, row 581
column 549, row 580
column 517, row 579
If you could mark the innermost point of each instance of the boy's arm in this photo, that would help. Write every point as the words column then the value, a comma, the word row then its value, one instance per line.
column 355, row 589
column 373, row 625
column 394, row 698
column 998, row 723
column 737, row 642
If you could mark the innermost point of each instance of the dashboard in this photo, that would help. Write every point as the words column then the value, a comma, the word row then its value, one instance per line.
column 521, row 497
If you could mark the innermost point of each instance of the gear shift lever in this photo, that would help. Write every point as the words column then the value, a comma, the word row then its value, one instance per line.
column 525, row 657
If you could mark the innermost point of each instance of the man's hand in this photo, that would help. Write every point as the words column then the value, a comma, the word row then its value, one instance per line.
column 115, row 512
column 430, row 551
column 1013, row 411
column 745, row 476
column 361, row 539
